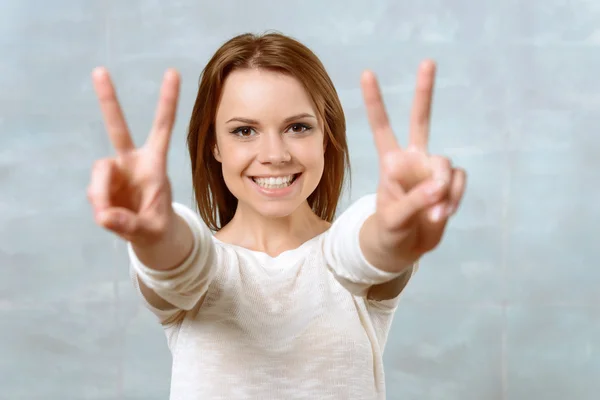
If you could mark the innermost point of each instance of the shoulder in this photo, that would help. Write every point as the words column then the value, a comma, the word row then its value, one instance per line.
column 354, row 215
column 364, row 204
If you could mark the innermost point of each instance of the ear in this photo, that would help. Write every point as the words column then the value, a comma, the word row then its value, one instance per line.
column 217, row 153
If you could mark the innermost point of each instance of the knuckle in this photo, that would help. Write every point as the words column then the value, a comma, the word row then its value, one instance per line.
column 94, row 197
column 99, row 164
column 100, row 167
column 392, row 161
column 442, row 162
column 89, row 193
column 103, row 169
column 92, row 190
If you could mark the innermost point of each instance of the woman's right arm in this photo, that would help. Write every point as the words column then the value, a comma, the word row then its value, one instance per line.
column 173, row 274
column 170, row 248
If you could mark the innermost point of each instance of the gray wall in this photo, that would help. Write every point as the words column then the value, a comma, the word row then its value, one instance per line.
column 506, row 308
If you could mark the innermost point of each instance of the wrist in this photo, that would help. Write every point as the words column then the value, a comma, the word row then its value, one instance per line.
column 385, row 251
column 170, row 247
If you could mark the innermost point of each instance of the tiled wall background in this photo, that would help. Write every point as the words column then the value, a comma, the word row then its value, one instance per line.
column 507, row 308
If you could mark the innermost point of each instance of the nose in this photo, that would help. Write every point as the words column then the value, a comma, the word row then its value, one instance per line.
column 273, row 149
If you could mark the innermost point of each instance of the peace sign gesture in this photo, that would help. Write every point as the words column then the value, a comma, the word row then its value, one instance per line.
column 130, row 193
column 417, row 192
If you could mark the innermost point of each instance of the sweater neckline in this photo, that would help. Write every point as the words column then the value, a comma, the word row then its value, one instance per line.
column 289, row 254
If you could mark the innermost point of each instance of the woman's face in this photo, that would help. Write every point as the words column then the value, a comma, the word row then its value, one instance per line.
column 269, row 141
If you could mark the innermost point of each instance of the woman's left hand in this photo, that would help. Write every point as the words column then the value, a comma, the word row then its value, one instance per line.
column 417, row 192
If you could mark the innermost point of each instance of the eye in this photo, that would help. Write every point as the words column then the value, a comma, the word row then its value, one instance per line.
column 299, row 128
column 243, row 131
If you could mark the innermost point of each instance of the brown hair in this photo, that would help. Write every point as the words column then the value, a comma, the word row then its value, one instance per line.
column 277, row 52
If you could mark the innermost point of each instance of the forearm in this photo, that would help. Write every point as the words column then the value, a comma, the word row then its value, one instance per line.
column 343, row 250
column 376, row 253
column 179, row 268
column 171, row 251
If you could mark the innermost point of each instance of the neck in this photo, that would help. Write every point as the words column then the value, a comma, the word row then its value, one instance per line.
column 275, row 235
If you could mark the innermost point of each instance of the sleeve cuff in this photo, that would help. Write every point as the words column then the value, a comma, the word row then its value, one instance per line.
column 344, row 254
column 165, row 280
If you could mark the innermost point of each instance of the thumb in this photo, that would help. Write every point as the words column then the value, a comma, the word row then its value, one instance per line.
column 421, row 197
column 121, row 221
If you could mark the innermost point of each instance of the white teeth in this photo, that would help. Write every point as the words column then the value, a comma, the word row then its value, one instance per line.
column 274, row 182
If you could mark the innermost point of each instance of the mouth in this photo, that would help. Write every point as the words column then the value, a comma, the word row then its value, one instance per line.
column 279, row 182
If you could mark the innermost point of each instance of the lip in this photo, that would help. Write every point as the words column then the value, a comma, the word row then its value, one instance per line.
column 278, row 192
column 274, row 176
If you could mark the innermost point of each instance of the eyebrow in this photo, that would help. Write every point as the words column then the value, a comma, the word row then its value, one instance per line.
column 255, row 122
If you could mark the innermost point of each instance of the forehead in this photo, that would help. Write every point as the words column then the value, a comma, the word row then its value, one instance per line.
column 254, row 93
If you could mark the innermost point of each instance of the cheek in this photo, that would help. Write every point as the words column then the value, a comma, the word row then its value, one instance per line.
column 311, row 156
column 234, row 159
column 233, row 165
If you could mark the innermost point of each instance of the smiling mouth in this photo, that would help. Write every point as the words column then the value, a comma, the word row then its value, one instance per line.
column 279, row 182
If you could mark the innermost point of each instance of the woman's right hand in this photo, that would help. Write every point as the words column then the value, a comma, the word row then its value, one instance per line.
column 130, row 193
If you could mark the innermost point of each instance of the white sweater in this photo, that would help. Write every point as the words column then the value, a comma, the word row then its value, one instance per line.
column 297, row 326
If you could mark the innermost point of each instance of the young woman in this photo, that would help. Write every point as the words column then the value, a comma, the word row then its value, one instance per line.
column 262, row 296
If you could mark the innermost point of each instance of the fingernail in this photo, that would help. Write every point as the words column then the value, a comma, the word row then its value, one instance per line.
column 99, row 72
column 436, row 213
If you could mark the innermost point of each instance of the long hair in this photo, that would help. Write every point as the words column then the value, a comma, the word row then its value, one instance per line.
column 276, row 52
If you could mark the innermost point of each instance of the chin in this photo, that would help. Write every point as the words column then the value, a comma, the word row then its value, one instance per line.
column 276, row 209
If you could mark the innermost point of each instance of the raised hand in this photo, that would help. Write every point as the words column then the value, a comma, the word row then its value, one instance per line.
column 417, row 192
column 130, row 193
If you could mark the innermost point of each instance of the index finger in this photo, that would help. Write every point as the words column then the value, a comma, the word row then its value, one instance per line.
column 385, row 140
column 111, row 111
column 420, row 117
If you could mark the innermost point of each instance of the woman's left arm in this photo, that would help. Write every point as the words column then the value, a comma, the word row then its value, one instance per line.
column 417, row 192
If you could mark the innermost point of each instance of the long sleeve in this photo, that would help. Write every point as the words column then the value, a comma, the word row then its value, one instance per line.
column 343, row 254
column 166, row 293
